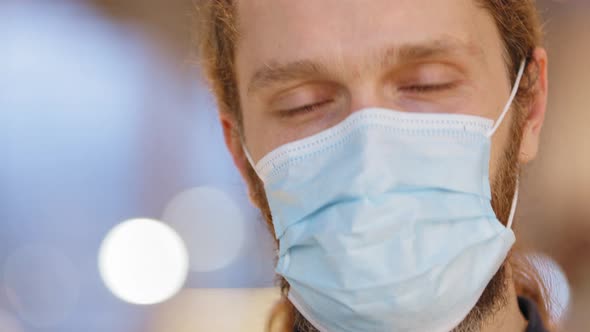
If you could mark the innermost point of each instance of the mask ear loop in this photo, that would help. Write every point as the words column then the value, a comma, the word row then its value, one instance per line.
column 513, row 94
column 510, row 100
column 514, row 204
column 248, row 156
column 495, row 128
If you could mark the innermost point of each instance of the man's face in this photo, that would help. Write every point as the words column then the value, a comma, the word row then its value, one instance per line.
column 304, row 66
column 339, row 56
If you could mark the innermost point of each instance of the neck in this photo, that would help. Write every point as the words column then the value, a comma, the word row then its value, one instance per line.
column 509, row 318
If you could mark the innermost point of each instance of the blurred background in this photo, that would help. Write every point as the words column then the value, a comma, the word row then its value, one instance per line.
column 104, row 120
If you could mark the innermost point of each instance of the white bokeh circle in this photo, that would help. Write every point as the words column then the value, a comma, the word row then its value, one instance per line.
column 212, row 224
column 143, row 261
column 555, row 280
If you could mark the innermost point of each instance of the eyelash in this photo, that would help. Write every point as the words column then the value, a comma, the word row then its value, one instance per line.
column 307, row 108
column 428, row 87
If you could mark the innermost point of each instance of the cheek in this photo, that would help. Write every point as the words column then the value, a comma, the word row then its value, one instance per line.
column 495, row 160
column 254, row 136
column 260, row 137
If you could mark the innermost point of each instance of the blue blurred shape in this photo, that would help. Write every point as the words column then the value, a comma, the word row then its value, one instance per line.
column 72, row 91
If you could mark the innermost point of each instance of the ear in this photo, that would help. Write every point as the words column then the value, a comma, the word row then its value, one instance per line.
column 233, row 141
column 536, row 110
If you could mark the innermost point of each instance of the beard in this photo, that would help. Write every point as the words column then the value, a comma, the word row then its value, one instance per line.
column 495, row 296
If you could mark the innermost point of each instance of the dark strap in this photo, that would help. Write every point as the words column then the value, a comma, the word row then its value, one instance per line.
column 530, row 312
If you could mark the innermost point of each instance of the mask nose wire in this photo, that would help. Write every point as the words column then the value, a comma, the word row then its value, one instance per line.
column 510, row 100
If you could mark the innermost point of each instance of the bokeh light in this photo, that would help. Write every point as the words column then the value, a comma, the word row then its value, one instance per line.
column 556, row 282
column 143, row 261
column 212, row 225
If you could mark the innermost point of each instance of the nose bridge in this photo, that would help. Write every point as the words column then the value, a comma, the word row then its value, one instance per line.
column 364, row 92
column 362, row 78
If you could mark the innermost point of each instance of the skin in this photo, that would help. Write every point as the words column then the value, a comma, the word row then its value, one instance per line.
column 340, row 56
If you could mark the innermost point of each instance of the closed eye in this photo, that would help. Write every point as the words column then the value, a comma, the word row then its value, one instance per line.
column 305, row 109
column 426, row 88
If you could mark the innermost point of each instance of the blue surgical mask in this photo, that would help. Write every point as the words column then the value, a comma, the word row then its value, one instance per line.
column 385, row 221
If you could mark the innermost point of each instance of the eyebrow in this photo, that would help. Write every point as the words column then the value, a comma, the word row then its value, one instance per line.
column 274, row 73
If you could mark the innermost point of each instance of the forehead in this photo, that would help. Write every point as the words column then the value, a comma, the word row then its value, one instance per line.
column 284, row 31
